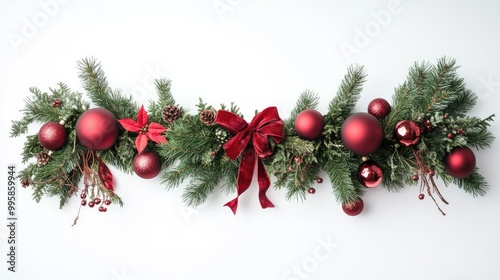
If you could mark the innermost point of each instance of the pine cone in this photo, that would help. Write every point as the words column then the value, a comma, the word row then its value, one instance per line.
column 25, row 182
column 207, row 116
column 170, row 114
column 56, row 103
column 43, row 158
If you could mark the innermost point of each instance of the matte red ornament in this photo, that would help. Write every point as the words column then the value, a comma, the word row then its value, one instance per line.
column 362, row 133
column 379, row 108
column 52, row 136
column 460, row 162
column 147, row 164
column 355, row 208
column 407, row 132
column 309, row 124
column 370, row 174
column 97, row 129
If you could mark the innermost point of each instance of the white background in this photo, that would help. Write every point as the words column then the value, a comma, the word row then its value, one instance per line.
column 257, row 54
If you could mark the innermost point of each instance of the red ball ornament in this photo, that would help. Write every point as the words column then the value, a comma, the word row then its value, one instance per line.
column 460, row 162
column 370, row 174
column 309, row 124
column 147, row 164
column 97, row 129
column 407, row 132
column 354, row 208
column 362, row 133
column 379, row 108
column 52, row 136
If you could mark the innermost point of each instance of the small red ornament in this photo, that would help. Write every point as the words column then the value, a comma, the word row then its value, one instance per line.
column 407, row 132
column 414, row 177
column 460, row 162
column 355, row 208
column 379, row 108
column 84, row 202
column 147, row 164
column 319, row 180
column 97, row 129
column 450, row 136
column 91, row 204
column 421, row 196
column 362, row 133
column 107, row 202
column 52, row 136
column 370, row 174
column 311, row 190
column 309, row 124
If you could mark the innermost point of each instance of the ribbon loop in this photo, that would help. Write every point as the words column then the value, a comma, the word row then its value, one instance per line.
column 264, row 125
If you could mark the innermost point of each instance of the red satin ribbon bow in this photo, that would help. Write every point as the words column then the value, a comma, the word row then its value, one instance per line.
column 265, row 124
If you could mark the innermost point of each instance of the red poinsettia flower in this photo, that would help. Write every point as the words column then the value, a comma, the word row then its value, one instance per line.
column 146, row 130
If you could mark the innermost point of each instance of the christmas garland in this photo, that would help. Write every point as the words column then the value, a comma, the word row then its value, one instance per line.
column 424, row 135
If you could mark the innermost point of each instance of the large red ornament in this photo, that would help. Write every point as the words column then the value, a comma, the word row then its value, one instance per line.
column 379, row 108
column 309, row 124
column 407, row 132
column 362, row 133
column 52, row 136
column 370, row 174
column 97, row 129
column 354, row 208
column 460, row 162
column 147, row 164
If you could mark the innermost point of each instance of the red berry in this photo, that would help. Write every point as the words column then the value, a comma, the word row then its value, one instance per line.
column 214, row 153
column 91, row 204
column 450, row 136
column 311, row 190
column 101, row 209
column 319, row 180
column 421, row 196
column 107, row 202
column 84, row 202
column 97, row 200
column 298, row 160
column 431, row 173
column 104, row 209
column 83, row 196
column 290, row 168
column 414, row 177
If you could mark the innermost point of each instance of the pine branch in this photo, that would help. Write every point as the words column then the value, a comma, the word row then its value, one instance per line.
column 475, row 184
column 165, row 98
column 348, row 93
column 340, row 176
column 307, row 100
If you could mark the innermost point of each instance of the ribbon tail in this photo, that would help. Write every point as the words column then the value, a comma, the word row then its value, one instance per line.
column 264, row 184
column 245, row 174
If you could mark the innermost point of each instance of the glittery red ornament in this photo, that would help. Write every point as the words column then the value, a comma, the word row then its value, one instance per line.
column 460, row 162
column 97, row 129
column 309, row 124
column 362, row 133
column 147, row 164
column 52, row 136
column 379, row 108
column 407, row 132
column 355, row 208
column 370, row 174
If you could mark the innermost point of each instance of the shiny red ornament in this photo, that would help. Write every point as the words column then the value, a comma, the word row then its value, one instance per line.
column 309, row 124
column 354, row 208
column 460, row 162
column 52, row 136
column 370, row 174
column 311, row 190
column 97, row 129
column 379, row 108
column 147, row 164
column 407, row 132
column 362, row 133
